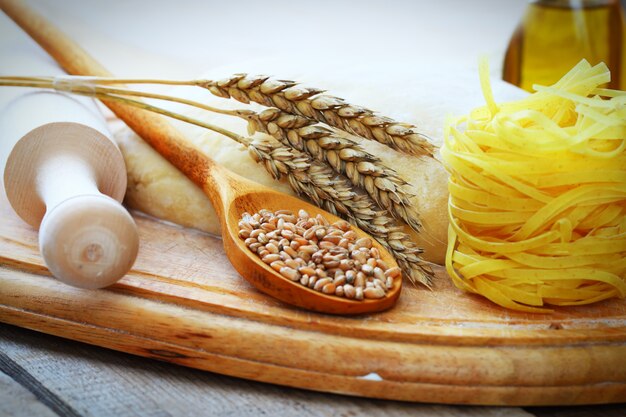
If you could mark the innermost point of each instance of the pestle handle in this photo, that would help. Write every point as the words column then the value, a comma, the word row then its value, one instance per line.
column 88, row 241
column 67, row 179
column 86, row 238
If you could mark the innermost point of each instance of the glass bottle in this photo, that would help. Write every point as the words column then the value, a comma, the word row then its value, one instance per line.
column 555, row 35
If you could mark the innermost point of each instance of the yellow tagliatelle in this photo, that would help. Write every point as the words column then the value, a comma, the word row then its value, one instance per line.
column 538, row 194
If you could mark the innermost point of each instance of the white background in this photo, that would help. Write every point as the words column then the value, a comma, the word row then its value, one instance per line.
column 185, row 37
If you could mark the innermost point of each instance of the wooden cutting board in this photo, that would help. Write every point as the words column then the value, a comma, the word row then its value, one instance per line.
column 184, row 303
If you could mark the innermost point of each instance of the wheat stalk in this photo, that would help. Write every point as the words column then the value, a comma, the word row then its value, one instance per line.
column 345, row 157
column 307, row 176
column 304, row 101
column 333, row 111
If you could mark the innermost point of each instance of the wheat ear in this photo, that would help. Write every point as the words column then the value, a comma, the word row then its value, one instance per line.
column 333, row 111
column 343, row 155
column 334, row 194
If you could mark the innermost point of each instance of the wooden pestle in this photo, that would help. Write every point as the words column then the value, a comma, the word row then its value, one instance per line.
column 67, row 178
column 151, row 127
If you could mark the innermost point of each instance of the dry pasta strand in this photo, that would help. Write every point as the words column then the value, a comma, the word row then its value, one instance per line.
column 538, row 194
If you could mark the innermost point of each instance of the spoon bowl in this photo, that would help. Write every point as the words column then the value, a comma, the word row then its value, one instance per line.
column 241, row 196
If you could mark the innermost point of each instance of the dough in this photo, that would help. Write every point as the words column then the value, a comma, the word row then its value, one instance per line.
column 422, row 96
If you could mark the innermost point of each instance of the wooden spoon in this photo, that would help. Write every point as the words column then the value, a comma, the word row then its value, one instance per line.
column 230, row 194
column 233, row 195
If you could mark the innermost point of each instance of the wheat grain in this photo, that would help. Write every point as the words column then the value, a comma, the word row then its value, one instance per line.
column 333, row 111
column 324, row 261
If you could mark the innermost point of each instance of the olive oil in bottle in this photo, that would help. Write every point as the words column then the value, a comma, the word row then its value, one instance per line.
column 555, row 35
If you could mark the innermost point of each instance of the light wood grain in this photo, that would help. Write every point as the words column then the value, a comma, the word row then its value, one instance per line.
column 588, row 411
column 184, row 303
column 17, row 401
column 98, row 382
column 141, row 387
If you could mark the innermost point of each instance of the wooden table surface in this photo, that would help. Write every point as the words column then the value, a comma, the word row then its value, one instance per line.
column 42, row 375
